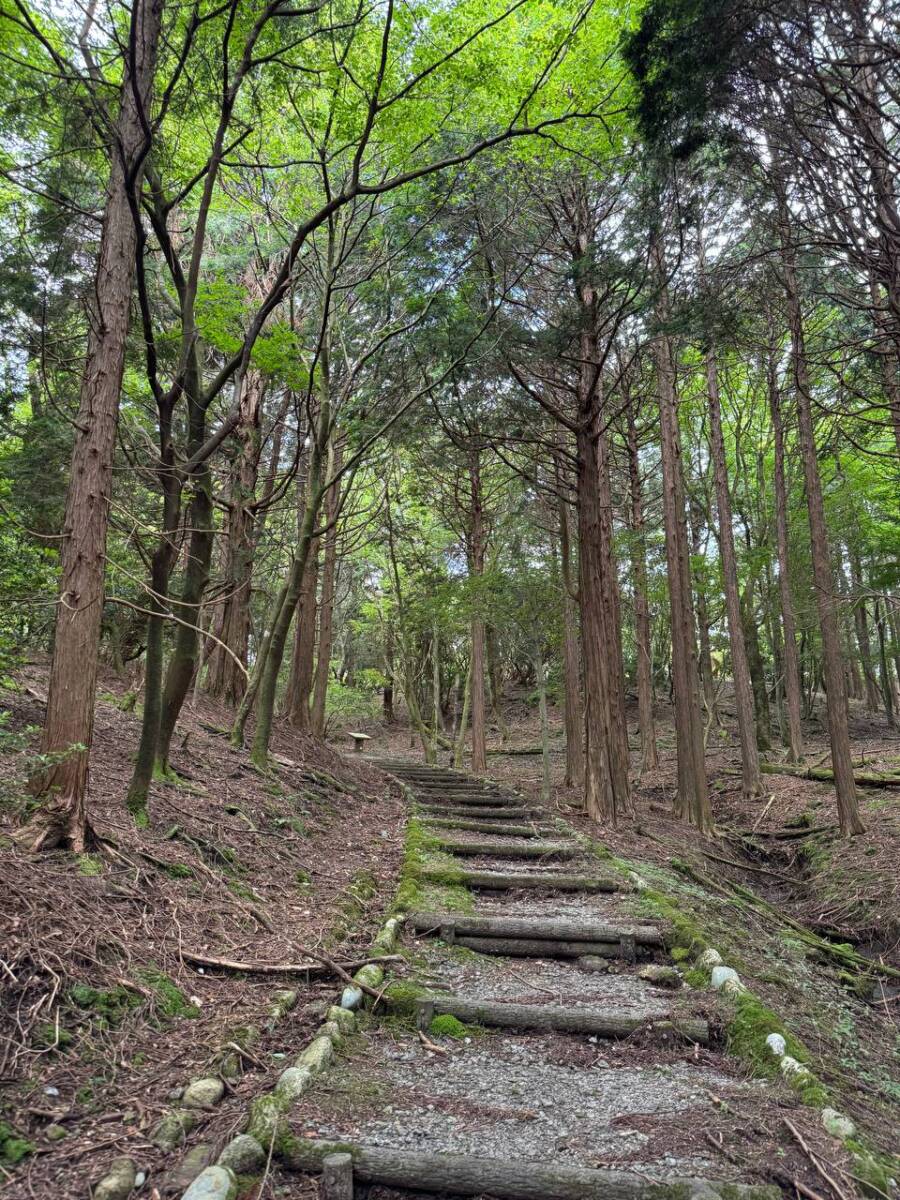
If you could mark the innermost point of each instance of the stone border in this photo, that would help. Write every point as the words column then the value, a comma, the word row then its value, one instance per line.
column 248, row 1152
column 197, row 1097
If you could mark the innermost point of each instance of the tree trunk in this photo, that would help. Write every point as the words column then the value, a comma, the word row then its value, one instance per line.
column 188, row 642
column 887, row 689
column 823, row 582
column 740, row 670
column 757, row 668
column 707, row 678
column 326, row 607
column 793, row 686
column 224, row 677
column 692, row 800
column 642, row 628
column 281, row 617
column 861, row 620
column 69, row 722
column 297, row 708
column 573, row 712
column 479, row 744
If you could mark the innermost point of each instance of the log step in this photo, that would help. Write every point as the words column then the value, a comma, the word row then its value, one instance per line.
column 550, row 881
column 544, row 948
column 483, row 812
column 469, row 924
column 525, row 831
column 559, row 1017
column 468, row 801
column 501, row 849
column 470, row 1175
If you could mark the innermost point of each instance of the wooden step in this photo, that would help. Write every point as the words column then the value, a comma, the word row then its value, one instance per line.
column 471, row 924
column 502, row 827
column 503, row 849
column 482, row 811
column 516, row 1179
column 470, row 799
column 550, row 881
column 559, row 1017
column 543, row 948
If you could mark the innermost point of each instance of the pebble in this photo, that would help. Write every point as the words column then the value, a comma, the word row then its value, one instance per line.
column 776, row 1044
column 55, row 1133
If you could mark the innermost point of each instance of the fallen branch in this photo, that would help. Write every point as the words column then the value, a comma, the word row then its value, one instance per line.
column 826, row 775
column 319, row 966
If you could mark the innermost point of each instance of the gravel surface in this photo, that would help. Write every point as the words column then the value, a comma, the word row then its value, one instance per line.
column 546, row 981
column 499, row 1097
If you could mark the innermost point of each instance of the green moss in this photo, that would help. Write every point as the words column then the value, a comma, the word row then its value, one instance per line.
column 303, row 879
column 109, row 1005
column 404, row 996
column 179, row 871
column 89, row 865
column 746, row 1033
column 449, row 1026
column 679, row 953
column 872, row 1169
column 13, row 1148
column 171, row 1001
column 49, row 1036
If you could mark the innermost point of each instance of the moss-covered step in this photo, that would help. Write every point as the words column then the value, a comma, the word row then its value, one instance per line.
column 468, row 1175
column 484, row 812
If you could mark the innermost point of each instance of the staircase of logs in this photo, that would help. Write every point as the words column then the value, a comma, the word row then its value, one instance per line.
column 491, row 830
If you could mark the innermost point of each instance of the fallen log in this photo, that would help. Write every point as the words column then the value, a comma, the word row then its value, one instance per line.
column 524, row 751
column 518, row 1179
column 500, row 849
column 539, row 948
column 826, row 775
column 525, row 831
column 507, row 880
column 535, row 927
column 564, row 1018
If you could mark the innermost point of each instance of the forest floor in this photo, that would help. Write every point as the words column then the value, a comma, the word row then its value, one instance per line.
column 103, row 1018
column 103, row 1015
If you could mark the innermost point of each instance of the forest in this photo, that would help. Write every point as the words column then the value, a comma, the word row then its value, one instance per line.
column 507, row 390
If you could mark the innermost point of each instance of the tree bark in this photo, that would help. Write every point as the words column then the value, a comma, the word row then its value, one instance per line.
column 326, row 607
column 692, row 799
column 823, row 581
column 573, row 712
column 477, row 539
column 793, row 686
column 740, row 670
column 69, row 721
column 642, row 628
column 225, row 680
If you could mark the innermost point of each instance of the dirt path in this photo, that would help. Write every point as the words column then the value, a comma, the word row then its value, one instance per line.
column 540, row 1047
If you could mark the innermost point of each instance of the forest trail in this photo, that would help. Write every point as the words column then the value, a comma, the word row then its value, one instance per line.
column 552, row 1056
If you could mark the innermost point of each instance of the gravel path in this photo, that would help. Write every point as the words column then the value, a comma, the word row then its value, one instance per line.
column 649, row 1104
